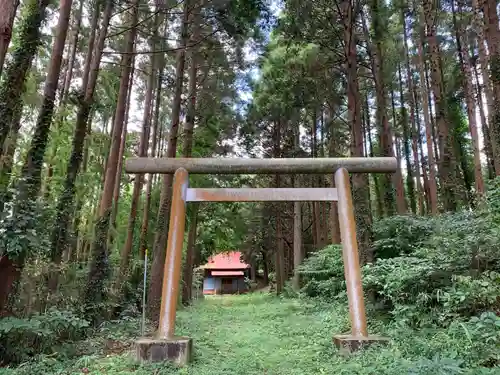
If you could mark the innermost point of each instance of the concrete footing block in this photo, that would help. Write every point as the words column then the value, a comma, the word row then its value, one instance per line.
column 348, row 344
column 178, row 350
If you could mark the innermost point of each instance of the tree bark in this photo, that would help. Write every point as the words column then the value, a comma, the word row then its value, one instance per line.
column 187, row 285
column 410, row 183
column 30, row 181
column 493, row 38
column 32, row 168
column 298, row 253
column 415, row 129
column 349, row 10
column 391, row 184
column 156, row 138
column 368, row 131
column 12, row 86
column 188, row 146
column 8, row 9
column 469, row 99
column 433, row 198
column 279, row 252
column 488, row 148
column 59, row 236
column 72, row 54
column 7, row 161
column 99, row 270
column 143, row 150
column 121, row 153
column 447, row 158
column 89, row 64
column 160, row 242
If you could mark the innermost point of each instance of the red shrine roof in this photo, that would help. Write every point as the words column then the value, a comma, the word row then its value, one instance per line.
column 226, row 261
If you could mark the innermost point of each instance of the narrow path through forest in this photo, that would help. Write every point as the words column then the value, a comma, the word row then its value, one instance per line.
column 233, row 335
column 261, row 334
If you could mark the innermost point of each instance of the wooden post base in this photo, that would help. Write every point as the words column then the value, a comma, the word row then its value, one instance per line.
column 177, row 350
column 348, row 344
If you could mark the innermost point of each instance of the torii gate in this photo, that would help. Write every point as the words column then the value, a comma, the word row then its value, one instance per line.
column 165, row 345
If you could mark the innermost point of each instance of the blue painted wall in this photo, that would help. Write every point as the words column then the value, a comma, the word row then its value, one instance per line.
column 208, row 282
column 211, row 283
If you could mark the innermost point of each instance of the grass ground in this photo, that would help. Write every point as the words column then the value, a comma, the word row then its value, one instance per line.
column 257, row 334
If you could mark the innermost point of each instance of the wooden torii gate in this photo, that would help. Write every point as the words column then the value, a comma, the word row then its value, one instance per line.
column 165, row 345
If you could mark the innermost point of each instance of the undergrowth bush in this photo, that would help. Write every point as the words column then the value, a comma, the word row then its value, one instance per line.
column 427, row 271
column 400, row 235
column 23, row 338
column 322, row 274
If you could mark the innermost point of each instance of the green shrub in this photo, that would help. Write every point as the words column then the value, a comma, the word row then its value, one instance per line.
column 427, row 272
column 400, row 235
column 23, row 338
column 322, row 274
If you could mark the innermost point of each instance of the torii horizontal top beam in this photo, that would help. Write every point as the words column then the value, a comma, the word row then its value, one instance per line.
column 261, row 166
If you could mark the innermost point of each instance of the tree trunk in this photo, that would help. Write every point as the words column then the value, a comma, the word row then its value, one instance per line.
column 488, row 148
column 410, row 183
column 447, row 159
column 99, row 269
column 89, row 65
column 480, row 29
column 433, row 198
column 415, row 129
column 469, row 99
column 334, row 217
column 279, row 252
column 359, row 181
column 368, row 131
column 156, row 138
column 493, row 38
column 187, row 285
column 7, row 161
column 424, row 163
column 298, row 253
column 59, row 236
column 386, row 132
column 71, row 251
column 143, row 151
column 72, row 54
column 8, row 9
column 12, row 86
column 162, row 223
column 431, row 114
column 121, row 153
column 29, row 185
column 188, row 147
column 32, row 168
column 316, row 229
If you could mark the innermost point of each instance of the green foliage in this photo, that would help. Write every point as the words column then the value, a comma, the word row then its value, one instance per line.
column 239, row 17
column 400, row 235
column 259, row 333
column 428, row 271
column 322, row 274
column 18, row 242
column 41, row 333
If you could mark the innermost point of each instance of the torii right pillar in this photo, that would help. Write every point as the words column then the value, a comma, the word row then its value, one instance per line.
column 359, row 337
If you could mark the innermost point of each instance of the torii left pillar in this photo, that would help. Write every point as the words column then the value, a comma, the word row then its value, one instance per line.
column 165, row 345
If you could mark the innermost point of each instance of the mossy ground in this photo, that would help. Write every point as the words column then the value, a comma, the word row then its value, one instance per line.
column 260, row 334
